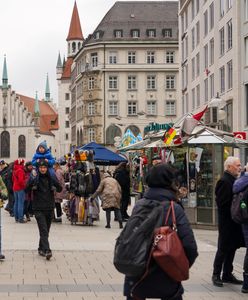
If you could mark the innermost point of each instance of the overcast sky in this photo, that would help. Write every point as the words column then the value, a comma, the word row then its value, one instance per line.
column 32, row 32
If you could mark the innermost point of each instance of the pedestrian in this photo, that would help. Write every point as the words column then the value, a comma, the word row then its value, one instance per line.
column 59, row 196
column 19, row 183
column 162, row 187
column 3, row 195
column 239, row 186
column 122, row 175
column 6, row 171
column 43, row 204
column 230, row 236
column 28, row 195
column 109, row 191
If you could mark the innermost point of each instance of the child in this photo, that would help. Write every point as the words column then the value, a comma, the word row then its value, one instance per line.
column 43, row 153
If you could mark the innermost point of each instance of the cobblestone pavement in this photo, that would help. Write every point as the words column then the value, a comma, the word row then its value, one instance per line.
column 81, row 266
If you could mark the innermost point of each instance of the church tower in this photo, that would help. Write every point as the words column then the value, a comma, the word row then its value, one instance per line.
column 75, row 35
column 47, row 91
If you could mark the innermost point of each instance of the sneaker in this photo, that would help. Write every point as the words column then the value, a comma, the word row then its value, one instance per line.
column 217, row 281
column 41, row 253
column 48, row 254
column 57, row 220
column 22, row 221
column 107, row 226
column 231, row 279
column 2, row 256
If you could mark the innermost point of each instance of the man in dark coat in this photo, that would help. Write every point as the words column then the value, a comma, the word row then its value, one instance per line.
column 230, row 233
column 43, row 204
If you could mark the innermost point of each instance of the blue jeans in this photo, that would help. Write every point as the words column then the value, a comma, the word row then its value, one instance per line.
column 19, row 205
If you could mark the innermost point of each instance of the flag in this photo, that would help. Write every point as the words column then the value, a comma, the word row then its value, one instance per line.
column 191, row 122
column 169, row 136
column 128, row 139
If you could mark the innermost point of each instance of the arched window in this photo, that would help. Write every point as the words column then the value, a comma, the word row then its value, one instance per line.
column 135, row 130
column 69, row 48
column 79, row 45
column 81, row 137
column 111, row 132
column 5, row 144
column 73, row 47
column 21, row 146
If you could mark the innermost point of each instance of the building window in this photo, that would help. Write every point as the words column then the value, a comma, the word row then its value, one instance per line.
column 197, row 64
column 21, row 146
column 205, row 23
column 67, row 96
column 193, row 68
column 170, row 107
column 91, row 134
column 131, row 57
column 91, row 83
column 67, row 124
column 193, row 98
column 211, row 51
column 132, row 108
column 91, row 109
column 198, row 98
column 167, row 32
column 229, row 75
column 246, row 10
column 150, row 57
column 118, row 33
column 197, row 6
column 151, row 32
column 193, row 9
column 170, row 82
column 113, row 108
column 222, row 8
column 151, row 82
column 113, row 82
column 246, row 51
column 222, row 79
column 193, row 38
column 229, row 34
column 97, row 35
column 212, row 86
column 222, row 41
column 67, row 110
column 170, row 57
column 111, row 132
column 131, row 82
column 135, row 33
column 151, row 107
column 206, row 89
column 94, row 59
column 229, row 4
column 197, row 29
column 66, row 136
column 211, row 15
column 206, row 56
column 112, row 57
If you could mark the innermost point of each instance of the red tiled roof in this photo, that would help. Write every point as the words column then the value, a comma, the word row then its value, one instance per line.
column 67, row 69
column 75, row 31
column 48, row 115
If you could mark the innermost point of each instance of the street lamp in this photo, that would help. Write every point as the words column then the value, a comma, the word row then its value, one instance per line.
column 218, row 104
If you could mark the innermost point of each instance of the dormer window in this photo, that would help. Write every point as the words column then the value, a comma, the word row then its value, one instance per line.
column 167, row 32
column 135, row 33
column 151, row 32
column 97, row 35
column 118, row 33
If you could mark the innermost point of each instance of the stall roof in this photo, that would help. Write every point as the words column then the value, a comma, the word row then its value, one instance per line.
column 137, row 146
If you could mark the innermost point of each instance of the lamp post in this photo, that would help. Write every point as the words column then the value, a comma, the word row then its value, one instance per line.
column 218, row 104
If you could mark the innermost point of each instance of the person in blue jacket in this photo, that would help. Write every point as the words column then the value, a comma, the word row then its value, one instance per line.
column 43, row 153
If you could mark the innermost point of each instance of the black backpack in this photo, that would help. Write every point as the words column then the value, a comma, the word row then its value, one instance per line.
column 133, row 245
column 239, row 207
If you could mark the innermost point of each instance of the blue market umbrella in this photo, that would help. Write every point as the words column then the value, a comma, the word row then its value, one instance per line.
column 103, row 156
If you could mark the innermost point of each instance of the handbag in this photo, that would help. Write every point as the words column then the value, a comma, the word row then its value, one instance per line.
column 168, row 250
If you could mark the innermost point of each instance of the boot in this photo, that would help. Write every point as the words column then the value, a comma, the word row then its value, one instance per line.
column 120, row 225
column 245, row 283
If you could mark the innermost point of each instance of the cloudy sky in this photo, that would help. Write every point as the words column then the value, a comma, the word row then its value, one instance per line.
column 32, row 32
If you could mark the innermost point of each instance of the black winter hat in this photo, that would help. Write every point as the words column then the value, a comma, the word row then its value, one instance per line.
column 161, row 176
column 42, row 162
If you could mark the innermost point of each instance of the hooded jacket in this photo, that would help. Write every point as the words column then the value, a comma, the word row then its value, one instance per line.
column 46, row 155
column 18, row 176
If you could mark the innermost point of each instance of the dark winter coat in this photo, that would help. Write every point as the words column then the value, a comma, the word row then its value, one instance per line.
column 123, row 178
column 238, row 186
column 230, row 233
column 158, row 284
column 43, row 194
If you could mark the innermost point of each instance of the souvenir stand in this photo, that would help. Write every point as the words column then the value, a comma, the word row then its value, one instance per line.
column 84, row 178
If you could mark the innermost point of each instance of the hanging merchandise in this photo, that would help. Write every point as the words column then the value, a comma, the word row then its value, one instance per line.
column 83, row 155
column 81, row 209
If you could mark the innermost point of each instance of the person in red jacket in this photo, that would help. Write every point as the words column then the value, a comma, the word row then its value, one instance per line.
column 18, row 178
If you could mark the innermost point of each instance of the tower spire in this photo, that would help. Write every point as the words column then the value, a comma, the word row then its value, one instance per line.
column 59, row 62
column 47, row 92
column 36, row 106
column 5, row 74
